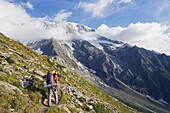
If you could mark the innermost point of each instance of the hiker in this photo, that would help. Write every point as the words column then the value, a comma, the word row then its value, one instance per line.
column 53, row 86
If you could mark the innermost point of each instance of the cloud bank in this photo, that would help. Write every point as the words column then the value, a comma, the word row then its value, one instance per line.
column 17, row 24
column 102, row 8
column 153, row 36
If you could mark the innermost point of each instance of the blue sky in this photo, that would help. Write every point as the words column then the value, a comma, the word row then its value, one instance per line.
column 132, row 12
column 145, row 23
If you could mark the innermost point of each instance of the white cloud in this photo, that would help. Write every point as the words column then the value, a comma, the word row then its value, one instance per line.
column 103, row 27
column 97, row 9
column 28, row 5
column 102, row 8
column 153, row 36
column 62, row 16
column 125, row 1
column 17, row 24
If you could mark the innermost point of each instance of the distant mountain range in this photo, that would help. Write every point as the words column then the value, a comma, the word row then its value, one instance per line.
column 114, row 62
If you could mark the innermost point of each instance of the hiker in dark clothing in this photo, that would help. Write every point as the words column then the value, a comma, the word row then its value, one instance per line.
column 53, row 86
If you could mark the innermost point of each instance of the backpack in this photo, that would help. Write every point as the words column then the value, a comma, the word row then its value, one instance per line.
column 49, row 78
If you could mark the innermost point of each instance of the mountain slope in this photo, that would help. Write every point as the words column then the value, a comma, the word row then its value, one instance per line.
column 146, row 72
column 21, row 87
column 112, row 63
column 104, row 61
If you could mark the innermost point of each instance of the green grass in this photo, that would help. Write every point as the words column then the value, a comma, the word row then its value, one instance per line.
column 65, row 98
column 10, row 60
column 100, row 108
column 55, row 109
column 85, row 108
column 14, row 101
column 81, row 99
column 72, row 109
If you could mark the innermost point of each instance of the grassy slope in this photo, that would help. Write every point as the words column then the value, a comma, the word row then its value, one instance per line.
column 30, row 101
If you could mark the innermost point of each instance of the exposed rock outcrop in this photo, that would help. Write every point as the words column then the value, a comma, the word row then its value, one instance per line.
column 10, row 88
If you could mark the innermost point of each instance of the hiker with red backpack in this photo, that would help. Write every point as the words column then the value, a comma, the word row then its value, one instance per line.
column 53, row 86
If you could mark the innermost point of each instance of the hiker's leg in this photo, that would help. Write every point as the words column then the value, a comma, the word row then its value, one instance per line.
column 55, row 96
column 49, row 96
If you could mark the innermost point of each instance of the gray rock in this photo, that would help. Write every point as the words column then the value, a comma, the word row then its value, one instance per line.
column 25, row 83
column 67, row 110
column 19, row 68
column 65, row 70
column 80, row 110
column 10, row 88
column 89, row 106
column 12, row 110
column 28, row 80
column 4, row 55
column 80, row 103
column 92, row 101
column 30, row 70
column 38, row 77
column 74, row 91
column 3, row 62
column 38, row 73
column 8, row 69
column 26, row 67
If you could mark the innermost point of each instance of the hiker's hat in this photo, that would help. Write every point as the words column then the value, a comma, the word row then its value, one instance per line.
column 53, row 72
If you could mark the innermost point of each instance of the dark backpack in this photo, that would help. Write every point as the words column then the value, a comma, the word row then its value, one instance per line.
column 49, row 78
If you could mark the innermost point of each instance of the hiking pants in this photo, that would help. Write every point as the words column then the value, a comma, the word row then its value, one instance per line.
column 50, row 90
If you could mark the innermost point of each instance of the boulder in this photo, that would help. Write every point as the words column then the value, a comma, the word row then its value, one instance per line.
column 28, row 80
column 10, row 88
column 25, row 83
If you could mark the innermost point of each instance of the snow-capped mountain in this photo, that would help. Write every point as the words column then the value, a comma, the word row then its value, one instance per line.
column 117, row 64
column 77, row 28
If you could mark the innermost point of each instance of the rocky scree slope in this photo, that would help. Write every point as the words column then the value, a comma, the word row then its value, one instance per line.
column 21, row 85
